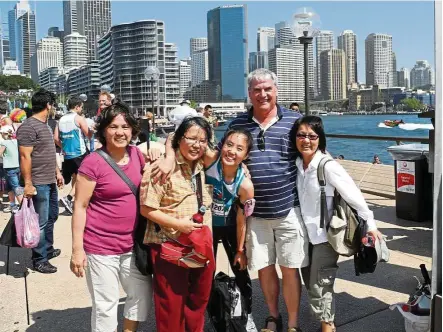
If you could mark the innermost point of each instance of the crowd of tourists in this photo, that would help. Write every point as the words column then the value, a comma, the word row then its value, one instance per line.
column 256, row 193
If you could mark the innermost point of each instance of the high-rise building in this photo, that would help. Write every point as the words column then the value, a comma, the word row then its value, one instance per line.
column 333, row 71
column 394, row 70
column 56, row 32
column 199, row 67
column 286, row 64
column 25, row 40
column 75, row 50
column 48, row 77
column 422, row 74
column 378, row 58
column 198, row 49
column 6, row 50
column 89, row 18
column 265, row 39
column 197, row 44
column 347, row 42
column 84, row 79
column 285, row 38
column 20, row 9
column 125, row 52
column 403, row 78
column 48, row 53
column 185, row 76
column 324, row 41
column 227, row 47
column 258, row 60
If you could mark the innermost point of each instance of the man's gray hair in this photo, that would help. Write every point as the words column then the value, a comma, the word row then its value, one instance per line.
column 262, row 74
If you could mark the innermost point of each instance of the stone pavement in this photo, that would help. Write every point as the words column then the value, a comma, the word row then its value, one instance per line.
column 60, row 302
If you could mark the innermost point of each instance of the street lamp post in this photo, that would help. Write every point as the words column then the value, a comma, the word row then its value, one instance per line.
column 152, row 74
column 305, row 40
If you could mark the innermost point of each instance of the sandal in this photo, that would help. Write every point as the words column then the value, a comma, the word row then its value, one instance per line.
column 277, row 321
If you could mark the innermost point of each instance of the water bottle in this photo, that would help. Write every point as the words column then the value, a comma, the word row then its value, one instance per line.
column 198, row 217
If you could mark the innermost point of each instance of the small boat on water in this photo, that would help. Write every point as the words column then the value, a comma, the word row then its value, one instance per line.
column 393, row 123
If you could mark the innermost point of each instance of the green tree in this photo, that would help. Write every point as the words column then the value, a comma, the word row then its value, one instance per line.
column 193, row 104
column 412, row 104
column 16, row 82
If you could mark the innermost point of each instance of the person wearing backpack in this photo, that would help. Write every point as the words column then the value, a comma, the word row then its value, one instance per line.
column 319, row 277
column 232, row 203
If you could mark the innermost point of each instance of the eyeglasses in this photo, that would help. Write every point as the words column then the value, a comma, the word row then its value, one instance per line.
column 311, row 137
column 193, row 141
column 261, row 140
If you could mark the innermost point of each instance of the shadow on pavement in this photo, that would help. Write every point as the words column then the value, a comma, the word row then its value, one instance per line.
column 19, row 261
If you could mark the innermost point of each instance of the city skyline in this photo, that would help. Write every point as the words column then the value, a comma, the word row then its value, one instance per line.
column 379, row 17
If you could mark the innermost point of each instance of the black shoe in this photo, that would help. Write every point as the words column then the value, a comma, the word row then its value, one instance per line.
column 54, row 253
column 277, row 321
column 45, row 267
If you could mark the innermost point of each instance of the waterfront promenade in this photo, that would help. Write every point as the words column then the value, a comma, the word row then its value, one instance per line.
column 60, row 302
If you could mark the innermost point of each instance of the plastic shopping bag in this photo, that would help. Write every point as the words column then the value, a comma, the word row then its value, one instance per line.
column 26, row 225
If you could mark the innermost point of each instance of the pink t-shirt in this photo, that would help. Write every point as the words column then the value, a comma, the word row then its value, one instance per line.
column 112, row 213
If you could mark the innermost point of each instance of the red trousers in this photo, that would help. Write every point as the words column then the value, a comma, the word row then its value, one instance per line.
column 180, row 295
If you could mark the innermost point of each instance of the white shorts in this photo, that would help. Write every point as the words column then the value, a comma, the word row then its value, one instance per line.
column 282, row 240
column 103, row 274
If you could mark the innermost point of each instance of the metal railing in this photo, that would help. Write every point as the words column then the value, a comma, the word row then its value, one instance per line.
column 396, row 139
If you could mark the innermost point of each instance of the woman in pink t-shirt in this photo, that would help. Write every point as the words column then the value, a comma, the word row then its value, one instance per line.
column 103, row 224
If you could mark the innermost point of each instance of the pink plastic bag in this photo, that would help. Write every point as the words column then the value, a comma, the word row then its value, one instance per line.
column 26, row 225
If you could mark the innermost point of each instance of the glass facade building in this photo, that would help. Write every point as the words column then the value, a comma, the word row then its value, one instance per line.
column 228, row 51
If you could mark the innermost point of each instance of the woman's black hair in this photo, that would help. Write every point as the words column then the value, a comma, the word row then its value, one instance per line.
column 109, row 113
column 316, row 124
column 247, row 133
column 188, row 123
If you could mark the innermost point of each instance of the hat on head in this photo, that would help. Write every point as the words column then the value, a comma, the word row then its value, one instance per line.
column 6, row 129
column 185, row 101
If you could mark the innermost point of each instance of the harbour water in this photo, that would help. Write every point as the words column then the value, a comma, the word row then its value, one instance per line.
column 363, row 150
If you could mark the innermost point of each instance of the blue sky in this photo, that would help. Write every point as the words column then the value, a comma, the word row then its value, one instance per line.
column 410, row 23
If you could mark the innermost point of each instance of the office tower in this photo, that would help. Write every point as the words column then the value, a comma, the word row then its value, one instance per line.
column 6, row 50
column 265, row 39
column 394, row 70
column 285, row 38
column 198, row 50
column 56, row 32
column 347, row 42
column 258, row 60
column 227, row 47
column 25, row 41
column 48, row 53
column 286, row 64
column 75, row 50
column 185, row 76
column 125, row 52
column 197, row 44
column 422, row 74
column 324, row 41
column 333, row 71
column 199, row 67
column 403, row 78
column 378, row 58
column 89, row 18
column 20, row 9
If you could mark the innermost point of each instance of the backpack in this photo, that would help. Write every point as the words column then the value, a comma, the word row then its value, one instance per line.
column 346, row 228
column 227, row 307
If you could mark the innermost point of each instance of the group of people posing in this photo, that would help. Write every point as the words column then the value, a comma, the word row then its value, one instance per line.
column 258, row 186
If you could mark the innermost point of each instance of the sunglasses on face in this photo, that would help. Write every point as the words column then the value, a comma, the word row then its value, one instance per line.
column 261, row 140
column 311, row 137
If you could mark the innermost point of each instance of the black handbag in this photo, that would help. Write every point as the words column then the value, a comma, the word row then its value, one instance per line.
column 142, row 252
column 9, row 235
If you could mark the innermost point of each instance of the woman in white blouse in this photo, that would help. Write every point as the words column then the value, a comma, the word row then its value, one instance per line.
column 309, row 137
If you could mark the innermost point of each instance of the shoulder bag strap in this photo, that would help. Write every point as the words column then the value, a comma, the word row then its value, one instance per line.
column 199, row 191
column 117, row 170
column 322, row 182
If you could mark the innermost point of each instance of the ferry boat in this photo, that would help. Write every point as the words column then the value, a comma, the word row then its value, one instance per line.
column 335, row 113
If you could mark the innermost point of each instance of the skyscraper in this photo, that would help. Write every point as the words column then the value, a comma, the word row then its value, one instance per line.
column 75, row 50
column 324, row 41
column 347, row 42
column 403, row 78
column 378, row 58
column 265, row 39
column 89, row 18
column 172, row 74
column 258, row 60
column 422, row 74
column 25, row 40
column 20, row 8
column 198, row 50
column 333, row 71
column 185, row 76
column 49, row 53
column 227, row 47
column 197, row 44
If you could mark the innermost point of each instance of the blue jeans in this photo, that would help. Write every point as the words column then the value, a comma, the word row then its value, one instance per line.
column 12, row 180
column 46, row 205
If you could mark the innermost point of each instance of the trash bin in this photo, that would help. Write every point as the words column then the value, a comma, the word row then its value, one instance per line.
column 413, row 182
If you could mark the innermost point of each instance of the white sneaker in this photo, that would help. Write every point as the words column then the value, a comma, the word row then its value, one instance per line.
column 250, row 325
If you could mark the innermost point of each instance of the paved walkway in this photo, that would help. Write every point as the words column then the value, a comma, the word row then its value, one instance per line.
column 60, row 302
